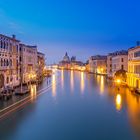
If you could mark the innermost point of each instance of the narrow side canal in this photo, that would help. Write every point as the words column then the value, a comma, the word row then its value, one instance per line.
column 78, row 106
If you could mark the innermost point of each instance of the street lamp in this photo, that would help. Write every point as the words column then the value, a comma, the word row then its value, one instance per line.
column 118, row 81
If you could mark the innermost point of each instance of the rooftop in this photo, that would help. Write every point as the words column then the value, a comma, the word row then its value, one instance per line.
column 99, row 57
column 11, row 38
column 122, row 52
column 40, row 53
column 132, row 48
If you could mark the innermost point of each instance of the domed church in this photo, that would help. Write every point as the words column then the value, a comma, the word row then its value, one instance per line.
column 66, row 58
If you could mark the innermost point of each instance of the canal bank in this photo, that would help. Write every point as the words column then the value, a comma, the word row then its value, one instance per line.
column 18, row 101
column 83, row 106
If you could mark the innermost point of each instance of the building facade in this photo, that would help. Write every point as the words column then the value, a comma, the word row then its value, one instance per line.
column 133, row 75
column 98, row 64
column 71, row 64
column 41, row 65
column 9, row 61
column 28, row 61
column 109, row 64
column 117, row 61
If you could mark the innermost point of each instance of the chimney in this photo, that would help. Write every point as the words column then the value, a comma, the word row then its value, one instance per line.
column 14, row 36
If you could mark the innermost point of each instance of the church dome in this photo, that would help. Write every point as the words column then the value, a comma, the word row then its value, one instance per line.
column 66, row 57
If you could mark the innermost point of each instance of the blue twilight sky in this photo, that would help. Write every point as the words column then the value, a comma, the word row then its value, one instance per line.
column 80, row 27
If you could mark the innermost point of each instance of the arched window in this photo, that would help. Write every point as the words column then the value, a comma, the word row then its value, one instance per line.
column 7, row 63
column 4, row 45
column 1, row 62
column 4, row 62
column 10, row 62
column 1, row 44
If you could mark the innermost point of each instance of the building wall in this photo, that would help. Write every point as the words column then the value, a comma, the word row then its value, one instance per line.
column 119, row 62
column 9, row 61
column 41, row 65
column 109, row 65
column 28, row 62
column 133, row 75
column 98, row 66
column 91, row 65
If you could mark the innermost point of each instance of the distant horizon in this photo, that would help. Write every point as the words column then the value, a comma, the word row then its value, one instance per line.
column 40, row 49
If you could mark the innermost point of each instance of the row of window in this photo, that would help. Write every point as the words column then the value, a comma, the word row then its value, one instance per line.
column 10, row 79
column 137, row 54
column 137, row 69
column 5, row 45
column 5, row 62
column 115, row 66
column 118, row 60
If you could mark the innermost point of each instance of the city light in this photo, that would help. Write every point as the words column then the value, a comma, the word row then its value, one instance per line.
column 118, row 81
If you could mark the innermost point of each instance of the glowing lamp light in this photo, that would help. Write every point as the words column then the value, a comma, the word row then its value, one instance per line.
column 83, row 68
column 118, row 81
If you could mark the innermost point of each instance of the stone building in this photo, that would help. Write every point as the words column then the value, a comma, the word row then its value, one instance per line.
column 41, row 65
column 28, row 61
column 117, row 61
column 65, row 63
column 9, row 61
column 97, row 64
column 133, row 75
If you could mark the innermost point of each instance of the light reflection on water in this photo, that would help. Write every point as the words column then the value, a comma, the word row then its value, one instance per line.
column 102, row 84
column 54, row 85
column 118, row 102
column 82, row 82
column 62, row 78
column 72, row 80
column 93, row 116
column 33, row 92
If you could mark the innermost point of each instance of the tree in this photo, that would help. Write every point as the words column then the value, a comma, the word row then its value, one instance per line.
column 121, row 74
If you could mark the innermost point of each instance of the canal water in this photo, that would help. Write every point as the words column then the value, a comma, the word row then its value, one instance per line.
column 79, row 106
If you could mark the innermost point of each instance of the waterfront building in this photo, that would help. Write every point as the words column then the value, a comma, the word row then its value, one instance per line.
column 87, row 66
column 65, row 63
column 133, row 75
column 119, row 61
column 77, row 65
column 9, row 61
column 97, row 64
column 41, row 65
column 71, row 64
column 73, row 58
column 109, row 64
column 28, row 60
column 66, row 58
